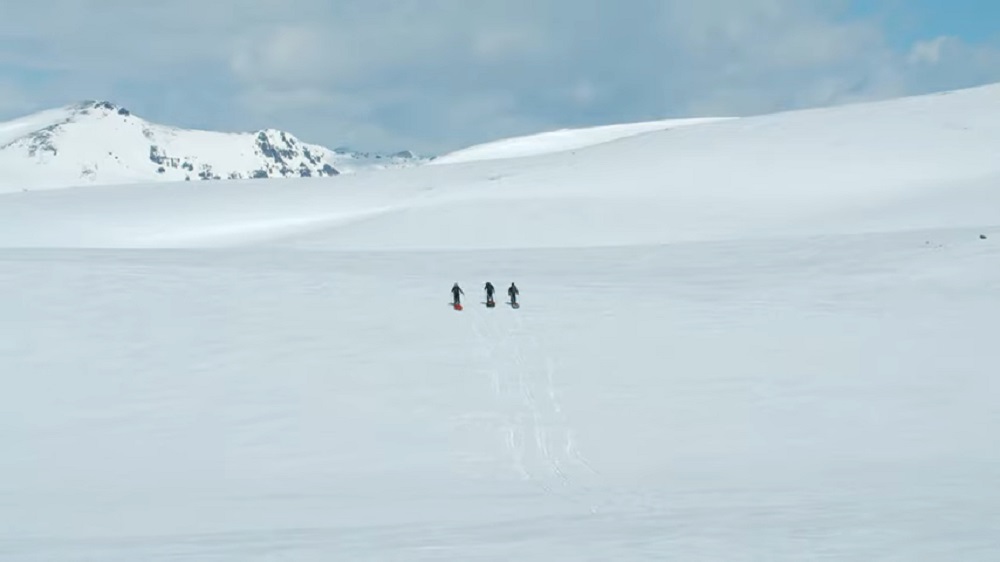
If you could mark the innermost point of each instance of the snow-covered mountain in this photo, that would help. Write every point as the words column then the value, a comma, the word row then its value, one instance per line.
column 98, row 142
column 770, row 338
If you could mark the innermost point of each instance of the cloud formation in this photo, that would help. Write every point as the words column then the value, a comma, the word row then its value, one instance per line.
column 434, row 75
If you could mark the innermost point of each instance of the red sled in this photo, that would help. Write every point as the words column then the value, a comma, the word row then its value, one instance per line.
column 458, row 306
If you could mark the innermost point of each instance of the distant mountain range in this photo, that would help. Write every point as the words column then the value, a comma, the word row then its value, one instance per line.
column 99, row 142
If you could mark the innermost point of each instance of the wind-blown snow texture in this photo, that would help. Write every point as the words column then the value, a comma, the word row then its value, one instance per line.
column 100, row 143
column 788, row 357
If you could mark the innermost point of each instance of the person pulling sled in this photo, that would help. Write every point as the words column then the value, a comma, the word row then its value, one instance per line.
column 512, row 292
column 489, row 294
column 455, row 292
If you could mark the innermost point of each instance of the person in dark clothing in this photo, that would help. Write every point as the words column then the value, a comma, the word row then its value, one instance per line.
column 512, row 292
column 455, row 292
column 489, row 292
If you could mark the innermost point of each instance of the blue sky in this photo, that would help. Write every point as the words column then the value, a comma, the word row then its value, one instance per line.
column 973, row 21
column 434, row 75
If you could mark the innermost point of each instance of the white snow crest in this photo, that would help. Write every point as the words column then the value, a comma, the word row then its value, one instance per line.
column 563, row 140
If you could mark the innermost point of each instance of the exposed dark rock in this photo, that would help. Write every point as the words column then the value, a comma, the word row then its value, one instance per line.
column 155, row 156
column 312, row 158
column 43, row 141
column 206, row 173
column 267, row 149
column 280, row 154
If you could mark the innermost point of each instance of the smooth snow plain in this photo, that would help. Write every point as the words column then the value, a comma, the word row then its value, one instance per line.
column 761, row 339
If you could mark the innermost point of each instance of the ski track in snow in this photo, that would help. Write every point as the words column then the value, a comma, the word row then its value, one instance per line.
column 536, row 432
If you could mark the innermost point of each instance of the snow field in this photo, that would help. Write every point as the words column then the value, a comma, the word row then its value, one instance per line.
column 323, row 405
column 766, row 338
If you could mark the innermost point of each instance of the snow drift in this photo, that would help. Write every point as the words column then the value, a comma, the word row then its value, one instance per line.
column 562, row 140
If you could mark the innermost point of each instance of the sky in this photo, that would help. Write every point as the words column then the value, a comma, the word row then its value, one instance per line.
column 437, row 75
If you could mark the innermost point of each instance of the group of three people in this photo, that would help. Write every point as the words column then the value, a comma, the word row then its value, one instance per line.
column 512, row 292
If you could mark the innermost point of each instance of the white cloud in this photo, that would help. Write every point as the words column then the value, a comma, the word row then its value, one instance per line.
column 927, row 52
column 437, row 74
column 13, row 99
column 290, row 55
column 948, row 62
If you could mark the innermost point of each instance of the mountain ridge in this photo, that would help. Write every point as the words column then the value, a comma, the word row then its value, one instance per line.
column 100, row 142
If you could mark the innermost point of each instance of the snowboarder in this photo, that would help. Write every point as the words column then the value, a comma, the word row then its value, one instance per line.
column 512, row 292
column 455, row 292
column 489, row 293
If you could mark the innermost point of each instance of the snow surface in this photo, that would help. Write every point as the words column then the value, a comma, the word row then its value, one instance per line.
column 563, row 140
column 765, row 339
column 100, row 143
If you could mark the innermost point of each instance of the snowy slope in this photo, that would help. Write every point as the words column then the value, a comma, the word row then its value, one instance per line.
column 906, row 164
column 786, row 356
column 562, row 140
column 101, row 143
